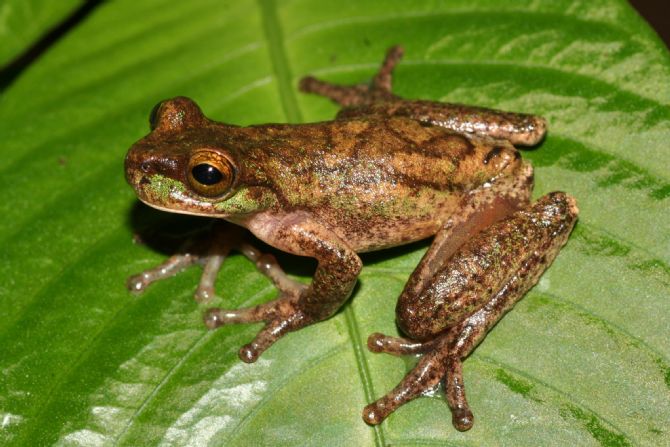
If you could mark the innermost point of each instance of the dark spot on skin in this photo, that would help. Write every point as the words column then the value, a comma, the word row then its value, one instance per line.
column 144, row 181
column 426, row 124
column 469, row 148
column 492, row 153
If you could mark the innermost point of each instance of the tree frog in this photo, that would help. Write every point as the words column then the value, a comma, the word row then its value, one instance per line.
column 386, row 171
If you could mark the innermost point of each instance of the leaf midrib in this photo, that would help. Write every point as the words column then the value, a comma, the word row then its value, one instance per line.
column 274, row 39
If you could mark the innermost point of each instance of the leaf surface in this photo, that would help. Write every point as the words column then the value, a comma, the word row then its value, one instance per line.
column 24, row 21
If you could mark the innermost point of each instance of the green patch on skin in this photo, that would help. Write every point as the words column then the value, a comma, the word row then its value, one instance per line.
column 595, row 427
column 161, row 187
column 515, row 385
column 242, row 202
column 480, row 177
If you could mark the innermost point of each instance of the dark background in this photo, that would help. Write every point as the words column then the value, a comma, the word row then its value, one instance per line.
column 656, row 12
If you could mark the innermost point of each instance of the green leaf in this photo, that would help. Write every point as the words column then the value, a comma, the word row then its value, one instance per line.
column 24, row 21
column 583, row 359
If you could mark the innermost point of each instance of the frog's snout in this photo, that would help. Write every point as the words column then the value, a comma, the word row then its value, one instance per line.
column 141, row 164
column 135, row 168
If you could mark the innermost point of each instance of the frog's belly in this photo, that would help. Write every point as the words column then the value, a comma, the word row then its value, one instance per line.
column 377, row 233
column 392, row 234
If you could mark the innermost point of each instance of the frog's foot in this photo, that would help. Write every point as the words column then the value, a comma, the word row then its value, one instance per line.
column 210, row 250
column 354, row 95
column 280, row 316
column 439, row 362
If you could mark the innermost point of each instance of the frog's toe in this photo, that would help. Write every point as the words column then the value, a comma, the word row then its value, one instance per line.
column 378, row 343
column 375, row 413
column 267, row 264
column 437, row 364
column 462, row 419
column 204, row 294
column 267, row 336
column 170, row 267
column 425, row 376
column 215, row 317
column 137, row 283
column 280, row 316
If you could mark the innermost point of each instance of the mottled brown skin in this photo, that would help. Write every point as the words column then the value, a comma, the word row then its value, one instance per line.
column 385, row 172
column 466, row 296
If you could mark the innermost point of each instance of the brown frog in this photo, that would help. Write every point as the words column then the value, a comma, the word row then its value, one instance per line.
column 387, row 171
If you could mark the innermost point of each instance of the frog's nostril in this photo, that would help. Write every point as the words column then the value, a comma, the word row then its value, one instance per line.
column 145, row 166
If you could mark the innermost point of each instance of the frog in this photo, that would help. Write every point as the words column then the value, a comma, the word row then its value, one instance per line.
column 385, row 172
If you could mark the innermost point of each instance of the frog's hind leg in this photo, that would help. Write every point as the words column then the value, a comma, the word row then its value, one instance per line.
column 527, row 241
column 361, row 94
column 376, row 98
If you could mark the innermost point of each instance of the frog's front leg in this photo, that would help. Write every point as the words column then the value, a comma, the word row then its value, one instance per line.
column 332, row 283
column 378, row 99
column 459, row 301
column 210, row 250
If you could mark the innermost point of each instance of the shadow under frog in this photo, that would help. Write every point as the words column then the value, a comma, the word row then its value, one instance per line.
column 384, row 173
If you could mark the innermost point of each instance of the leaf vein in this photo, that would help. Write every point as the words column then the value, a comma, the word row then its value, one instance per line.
column 538, row 381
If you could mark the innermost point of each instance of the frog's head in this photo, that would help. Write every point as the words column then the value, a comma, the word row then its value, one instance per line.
column 186, row 165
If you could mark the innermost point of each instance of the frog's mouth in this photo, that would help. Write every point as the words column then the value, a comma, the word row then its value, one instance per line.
column 167, row 194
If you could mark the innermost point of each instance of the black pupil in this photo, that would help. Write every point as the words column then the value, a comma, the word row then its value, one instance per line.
column 206, row 174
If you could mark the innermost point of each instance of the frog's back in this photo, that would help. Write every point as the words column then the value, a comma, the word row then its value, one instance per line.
column 379, row 182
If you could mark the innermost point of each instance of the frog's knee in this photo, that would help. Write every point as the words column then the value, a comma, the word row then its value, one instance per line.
column 414, row 321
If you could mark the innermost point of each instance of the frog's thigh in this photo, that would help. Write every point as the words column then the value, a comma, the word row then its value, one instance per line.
column 528, row 240
column 447, row 242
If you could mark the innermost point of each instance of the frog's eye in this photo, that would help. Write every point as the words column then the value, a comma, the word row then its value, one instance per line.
column 210, row 173
column 176, row 114
column 153, row 116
